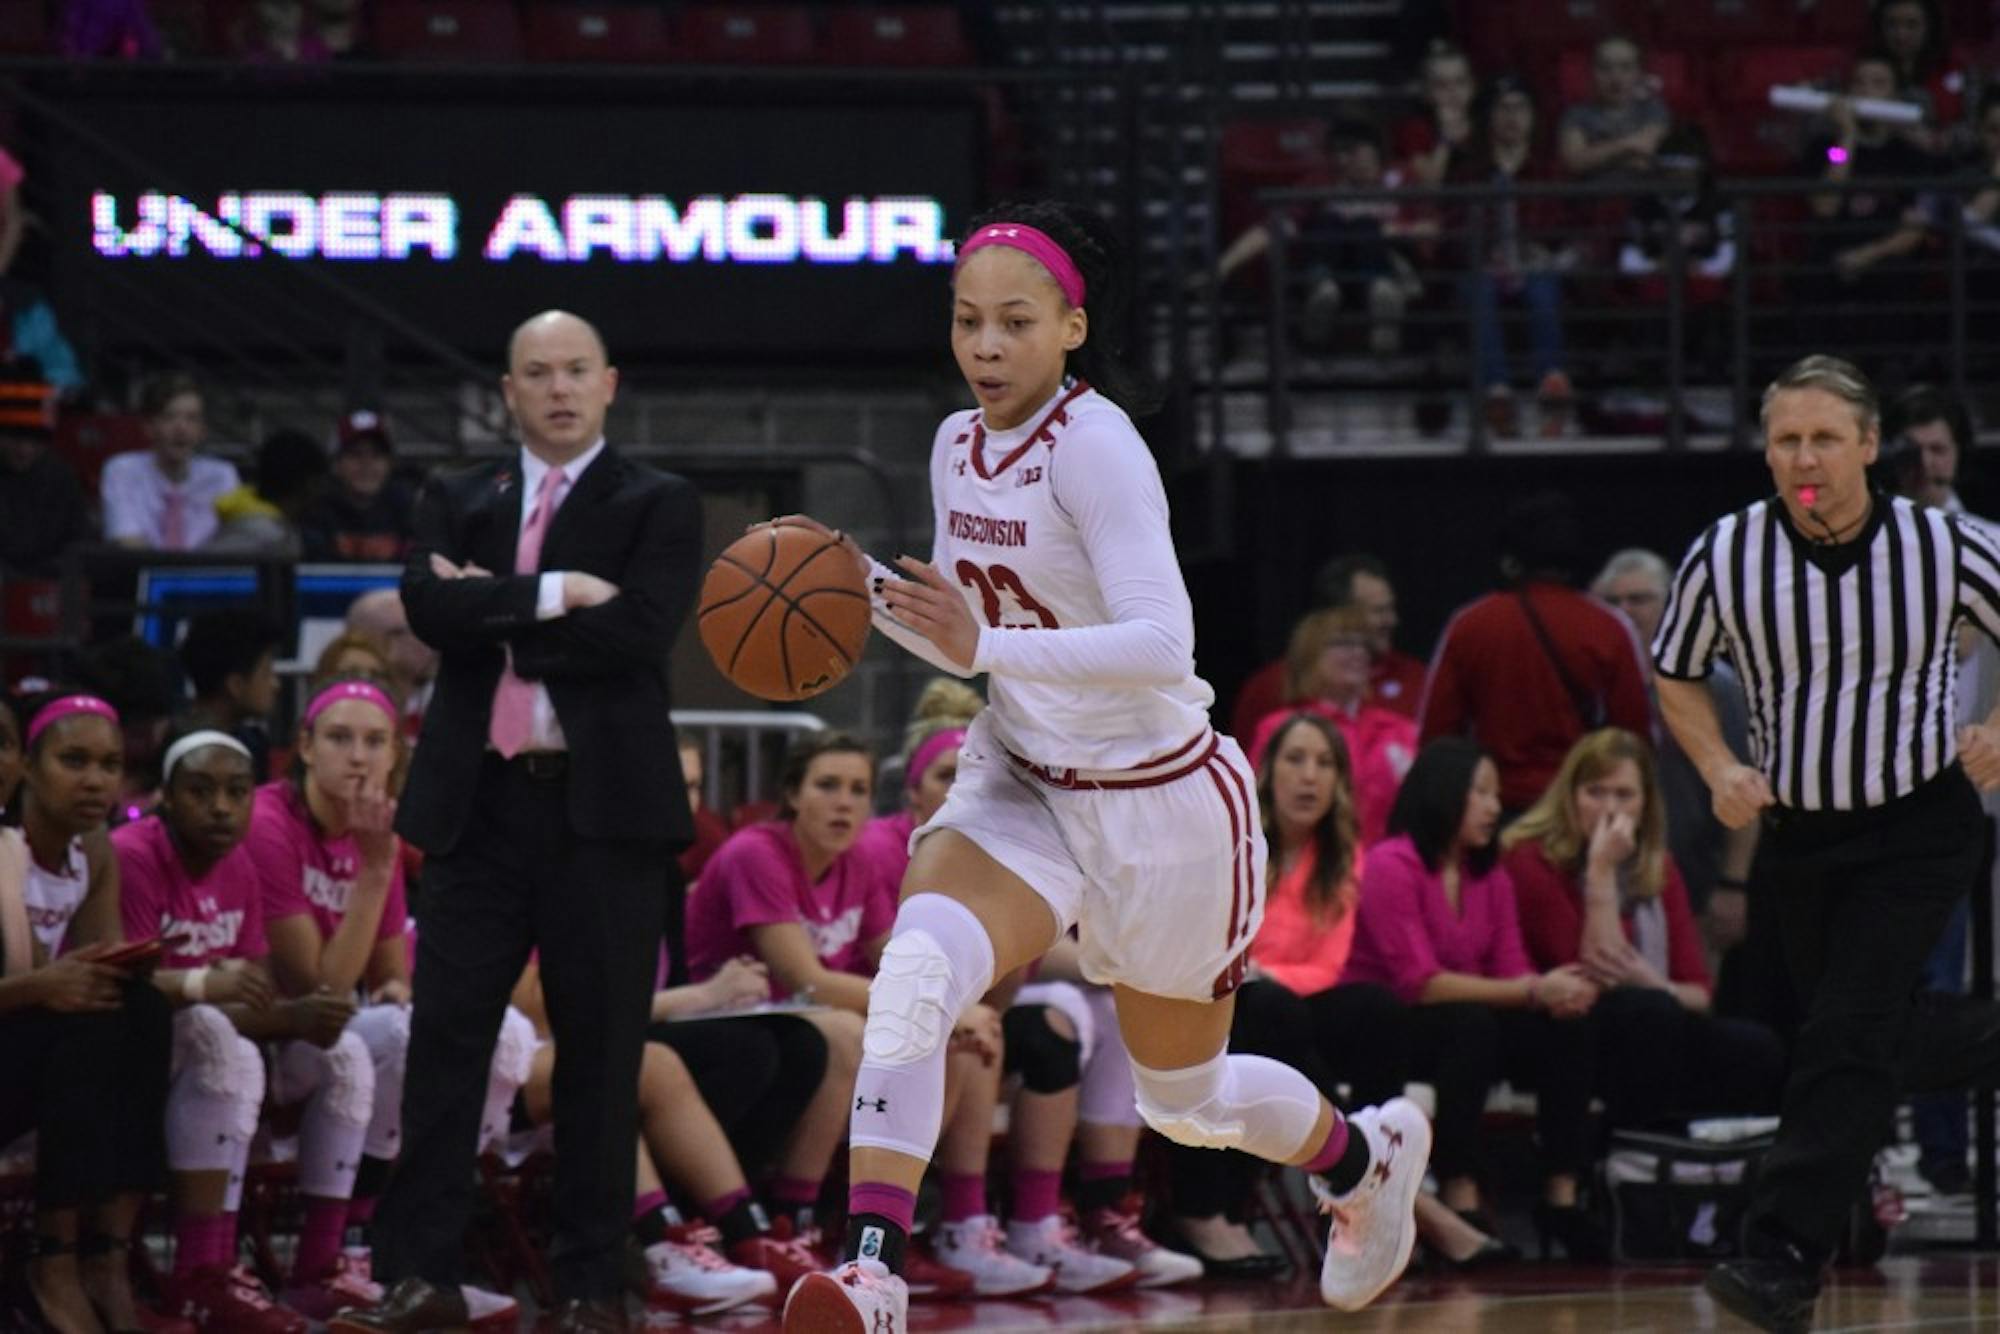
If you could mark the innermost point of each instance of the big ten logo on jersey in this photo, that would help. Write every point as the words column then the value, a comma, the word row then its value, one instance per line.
column 1027, row 476
column 1004, row 598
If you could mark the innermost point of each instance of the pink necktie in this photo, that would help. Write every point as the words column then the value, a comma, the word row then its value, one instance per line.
column 173, row 523
column 514, row 699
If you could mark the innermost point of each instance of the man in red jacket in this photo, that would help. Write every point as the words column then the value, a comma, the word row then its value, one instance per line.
column 1527, row 670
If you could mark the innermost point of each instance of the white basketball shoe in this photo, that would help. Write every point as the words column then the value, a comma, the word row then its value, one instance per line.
column 1374, row 1226
column 860, row 1297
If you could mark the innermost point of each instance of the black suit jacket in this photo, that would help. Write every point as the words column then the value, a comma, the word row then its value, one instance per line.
column 605, row 667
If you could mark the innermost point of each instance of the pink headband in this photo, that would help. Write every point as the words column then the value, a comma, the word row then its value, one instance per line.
column 341, row 690
column 68, row 706
column 936, row 744
column 1035, row 243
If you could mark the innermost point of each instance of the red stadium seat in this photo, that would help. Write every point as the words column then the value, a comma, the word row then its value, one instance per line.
column 24, row 28
column 1838, row 22
column 1750, row 135
column 1679, row 85
column 586, row 33
column 1709, row 25
column 895, row 35
column 1744, row 78
column 87, row 439
column 1969, row 20
column 1545, row 26
column 748, row 34
column 447, row 30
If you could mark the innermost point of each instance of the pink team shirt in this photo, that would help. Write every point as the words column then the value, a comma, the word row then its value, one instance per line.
column 300, row 871
column 758, row 878
column 204, row 921
column 1405, row 932
column 887, row 839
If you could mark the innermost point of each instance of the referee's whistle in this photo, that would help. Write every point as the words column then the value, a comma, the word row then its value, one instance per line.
column 1808, row 496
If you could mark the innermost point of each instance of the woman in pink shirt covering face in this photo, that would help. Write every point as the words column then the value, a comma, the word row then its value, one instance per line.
column 1437, row 925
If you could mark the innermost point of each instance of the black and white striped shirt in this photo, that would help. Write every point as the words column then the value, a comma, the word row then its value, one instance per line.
column 1848, row 653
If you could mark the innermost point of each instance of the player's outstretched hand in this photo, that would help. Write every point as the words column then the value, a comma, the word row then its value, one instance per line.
column 928, row 603
column 1979, row 752
column 1740, row 794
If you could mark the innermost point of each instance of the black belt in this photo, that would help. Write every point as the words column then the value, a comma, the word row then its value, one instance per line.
column 1793, row 823
column 543, row 766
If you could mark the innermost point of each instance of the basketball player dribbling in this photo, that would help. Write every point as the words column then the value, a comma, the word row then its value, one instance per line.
column 1091, row 793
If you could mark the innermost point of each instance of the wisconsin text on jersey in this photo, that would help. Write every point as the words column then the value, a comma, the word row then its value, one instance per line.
column 987, row 530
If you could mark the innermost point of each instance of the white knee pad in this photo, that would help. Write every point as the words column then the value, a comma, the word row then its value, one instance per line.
column 385, row 1031
column 1250, row 1103
column 335, row 1125
column 216, row 1092
column 1108, row 1096
column 937, row 963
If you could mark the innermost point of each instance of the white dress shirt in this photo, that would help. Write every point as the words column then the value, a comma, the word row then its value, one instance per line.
column 547, row 734
column 135, row 493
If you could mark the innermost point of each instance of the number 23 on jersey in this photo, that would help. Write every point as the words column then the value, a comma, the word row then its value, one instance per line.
column 1003, row 599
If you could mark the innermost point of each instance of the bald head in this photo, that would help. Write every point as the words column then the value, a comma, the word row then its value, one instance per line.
column 380, row 616
column 559, row 384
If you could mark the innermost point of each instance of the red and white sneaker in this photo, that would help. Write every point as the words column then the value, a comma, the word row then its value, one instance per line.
column 930, row 1281
column 345, row 1287
column 786, row 1258
column 1374, row 1226
column 1117, row 1232
column 1052, row 1243
column 221, row 1299
column 685, row 1273
column 860, row 1297
column 974, row 1245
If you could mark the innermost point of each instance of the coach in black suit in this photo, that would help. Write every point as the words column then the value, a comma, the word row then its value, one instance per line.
column 547, row 794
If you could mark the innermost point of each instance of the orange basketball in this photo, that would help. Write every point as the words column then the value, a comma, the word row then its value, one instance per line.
column 784, row 613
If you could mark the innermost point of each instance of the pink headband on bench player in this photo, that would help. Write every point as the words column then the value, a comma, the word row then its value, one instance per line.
column 69, row 706
column 341, row 690
column 936, row 744
column 1034, row 242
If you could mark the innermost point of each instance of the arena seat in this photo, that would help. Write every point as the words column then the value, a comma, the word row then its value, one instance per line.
column 466, row 31
column 748, row 34
column 1264, row 154
column 1559, row 25
column 925, row 35
column 1842, row 22
column 1750, row 135
column 1672, row 71
column 24, row 28
column 1708, row 25
column 87, row 439
column 583, row 33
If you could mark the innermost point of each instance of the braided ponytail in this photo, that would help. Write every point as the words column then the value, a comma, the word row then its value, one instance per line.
column 1099, row 255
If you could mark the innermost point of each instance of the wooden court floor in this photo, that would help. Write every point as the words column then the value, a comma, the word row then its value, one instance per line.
column 1936, row 1292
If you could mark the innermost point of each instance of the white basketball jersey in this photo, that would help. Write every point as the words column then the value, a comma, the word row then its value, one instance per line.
column 1061, row 524
column 54, row 896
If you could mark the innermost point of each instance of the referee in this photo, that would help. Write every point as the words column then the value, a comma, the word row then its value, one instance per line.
column 1838, row 606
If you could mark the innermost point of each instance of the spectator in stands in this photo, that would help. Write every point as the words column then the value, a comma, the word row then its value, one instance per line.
column 163, row 499
column 1395, row 679
column 710, row 829
column 42, row 510
column 108, row 30
column 262, row 517
column 1437, row 924
column 683, row 1145
column 1350, row 250
column 1713, row 860
column 341, row 30
column 1679, row 231
column 1327, row 674
column 13, row 229
column 1862, row 237
column 1298, row 1007
column 1982, row 211
column 351, row 653
column 1619, row 131
column 230, row 660
column 799, row 894
column 412, row 663
column 276, row 32
column 1528, row 250
column 1426, row 141
column 37, row 341
column 1931, row 433
column 1911, row 36
column 1529, row 669
column 366, row 514
column 1596, row 885
column 83, row 1040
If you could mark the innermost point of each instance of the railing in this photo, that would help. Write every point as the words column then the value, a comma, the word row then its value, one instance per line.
column 1668, row 358
column 742, row 751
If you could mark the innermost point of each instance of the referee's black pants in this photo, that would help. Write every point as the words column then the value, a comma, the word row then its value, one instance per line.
column 521, row 880
column 1861, row 898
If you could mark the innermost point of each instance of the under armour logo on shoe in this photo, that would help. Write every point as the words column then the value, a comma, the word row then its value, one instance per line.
column 885, row 1323
column 879, row 1104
